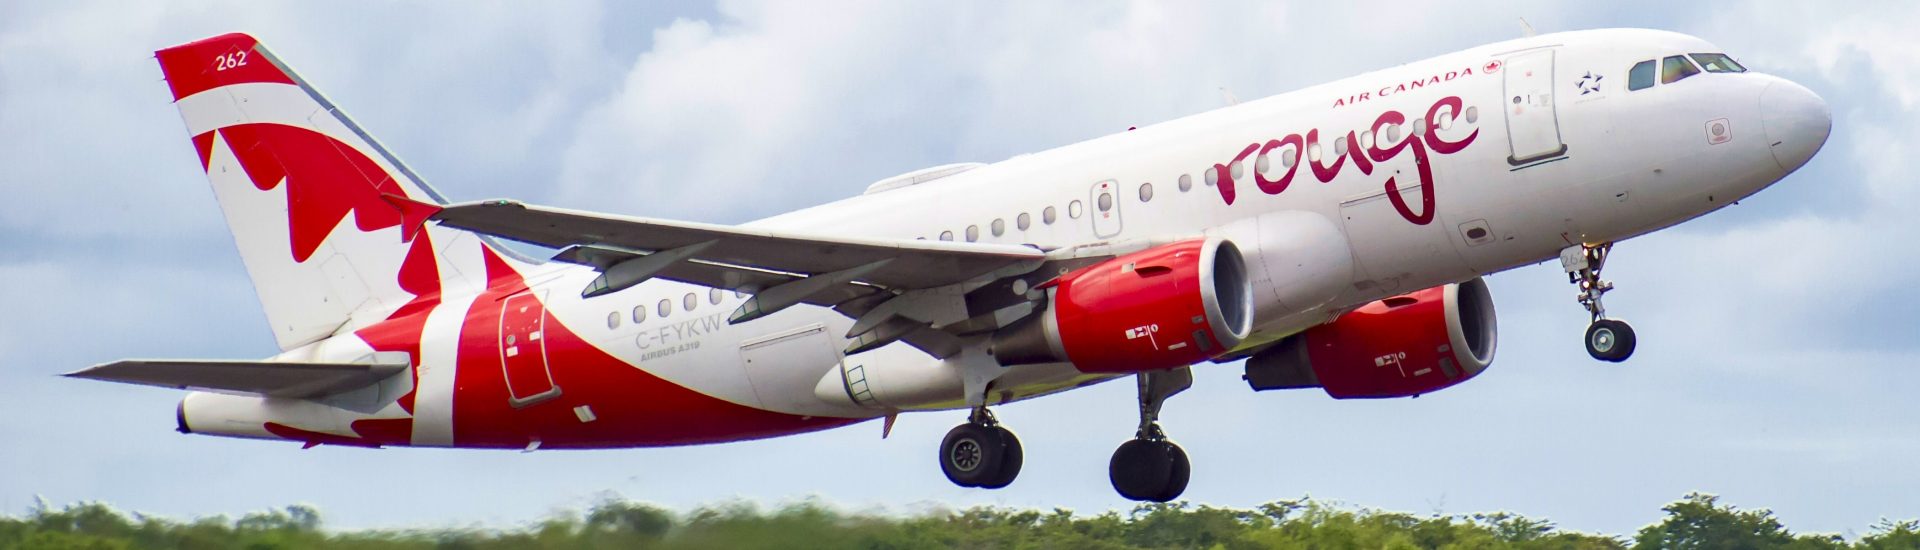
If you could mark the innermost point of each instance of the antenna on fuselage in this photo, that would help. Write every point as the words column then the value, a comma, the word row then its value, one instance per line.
column 1228, row 95
column 1526, row 30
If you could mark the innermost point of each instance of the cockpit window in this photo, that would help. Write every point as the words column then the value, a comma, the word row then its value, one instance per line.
column 1674, row 68
column 1718, row 63
column 1641, row 77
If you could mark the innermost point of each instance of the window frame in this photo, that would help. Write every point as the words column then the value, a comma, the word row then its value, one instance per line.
column 1704, row 66
column 1686, row 63
column 1653, row 75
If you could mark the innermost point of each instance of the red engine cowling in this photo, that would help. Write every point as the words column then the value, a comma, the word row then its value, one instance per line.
column 1168, row 306
column 1401, row 346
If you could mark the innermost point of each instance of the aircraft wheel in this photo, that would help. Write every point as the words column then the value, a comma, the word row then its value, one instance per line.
column 1177, row 479
column 1149, row 470
column 1010, row 460
column 972, row 455
column 1610, row 340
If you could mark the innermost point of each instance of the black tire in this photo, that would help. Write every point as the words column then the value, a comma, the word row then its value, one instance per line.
column 1177, row 479
column 972, row 455
column 1627, row 341
column 1141, row 469
column 1010, row 460
column 1610, row 340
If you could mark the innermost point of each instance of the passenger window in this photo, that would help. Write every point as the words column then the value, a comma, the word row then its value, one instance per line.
column 715, row 295
column 1186, row 183
column 1718, row 63
column 1675, row 68
column 688, row 302
column 639, row 314
column 1146, row 192
column 1641, row 77
column 1047, row 216
column 946, row 235
column 665, row 307
column 1419, row 126
column 1237, row 168
column 1291, row 156
column 999, row 226
column 1339, row 148
column 973, row 233
column 1073, row 209
column 1212, row 176
column 1024, row 221
column 613, row 320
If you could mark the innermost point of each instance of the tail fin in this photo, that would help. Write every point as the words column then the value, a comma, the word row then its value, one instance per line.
column 289, row 170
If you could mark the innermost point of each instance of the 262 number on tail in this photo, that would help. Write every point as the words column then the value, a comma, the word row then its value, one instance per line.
column 229, row 61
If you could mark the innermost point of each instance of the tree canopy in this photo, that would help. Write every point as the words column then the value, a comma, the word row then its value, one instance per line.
column 1695, row 522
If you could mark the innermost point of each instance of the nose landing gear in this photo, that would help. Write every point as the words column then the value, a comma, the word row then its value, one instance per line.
column 1149, row 467
column 1610, row 340
column 981, row 453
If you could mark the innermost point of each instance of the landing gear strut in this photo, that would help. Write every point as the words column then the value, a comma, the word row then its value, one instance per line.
column 1151, row 468
column 1609, row 340
column 981, row 453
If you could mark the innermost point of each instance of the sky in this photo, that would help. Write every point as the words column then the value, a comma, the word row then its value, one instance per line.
column 1777, row 337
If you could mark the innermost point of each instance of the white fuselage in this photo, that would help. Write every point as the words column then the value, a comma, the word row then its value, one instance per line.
column 1633, row 161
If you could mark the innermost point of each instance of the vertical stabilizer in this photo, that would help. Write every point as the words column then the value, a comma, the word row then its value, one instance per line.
column 307, row 193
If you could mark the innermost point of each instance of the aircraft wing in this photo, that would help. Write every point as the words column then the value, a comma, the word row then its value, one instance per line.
column 272, row 379
column 779, row 268
column 906, row 264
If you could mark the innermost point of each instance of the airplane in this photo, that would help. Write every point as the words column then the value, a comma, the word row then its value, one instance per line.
column 1333, row 237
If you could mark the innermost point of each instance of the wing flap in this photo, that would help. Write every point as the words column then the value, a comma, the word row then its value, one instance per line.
column 297, row 380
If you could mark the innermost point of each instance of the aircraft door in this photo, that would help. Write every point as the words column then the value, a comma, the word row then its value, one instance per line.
column 1104, row 199
column 523, row 350
column 1533, row 127
column 785, row 366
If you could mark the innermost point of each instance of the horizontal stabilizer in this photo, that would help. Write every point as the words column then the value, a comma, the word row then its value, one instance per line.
column 298, row 380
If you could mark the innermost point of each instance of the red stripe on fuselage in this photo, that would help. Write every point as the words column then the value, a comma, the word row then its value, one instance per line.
column 629, row 407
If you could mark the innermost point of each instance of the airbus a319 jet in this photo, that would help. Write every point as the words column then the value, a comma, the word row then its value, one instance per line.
column 1332, row 237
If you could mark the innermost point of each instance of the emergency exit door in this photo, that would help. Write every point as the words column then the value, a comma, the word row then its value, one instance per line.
column 523, row 350
column 1105, row 210
column 1533, row 125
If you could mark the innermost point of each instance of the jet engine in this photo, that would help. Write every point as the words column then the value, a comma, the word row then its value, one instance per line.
column 1168, row 306
column 1397, row 347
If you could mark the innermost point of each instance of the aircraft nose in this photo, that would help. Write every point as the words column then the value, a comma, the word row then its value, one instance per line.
column 1796, row 121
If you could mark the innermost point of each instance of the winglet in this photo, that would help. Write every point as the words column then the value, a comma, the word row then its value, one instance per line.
column 413, row 214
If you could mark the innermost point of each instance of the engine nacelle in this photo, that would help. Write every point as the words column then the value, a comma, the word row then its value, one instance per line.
column 1168, row 306
column 1397, row 347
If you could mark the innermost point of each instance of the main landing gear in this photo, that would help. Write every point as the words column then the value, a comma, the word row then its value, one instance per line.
column 980, row 453
column 1151, row 468
column 1607, row 339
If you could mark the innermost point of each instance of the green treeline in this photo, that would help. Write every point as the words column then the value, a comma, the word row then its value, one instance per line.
column 1697, row 521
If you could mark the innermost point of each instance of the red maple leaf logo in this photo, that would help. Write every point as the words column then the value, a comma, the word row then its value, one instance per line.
column 1493, row 66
